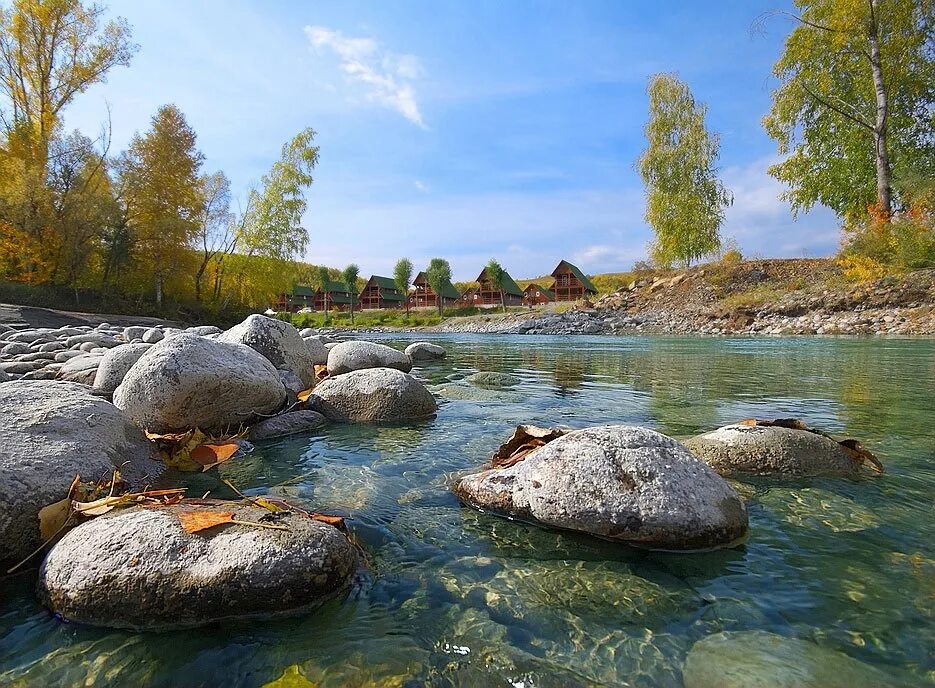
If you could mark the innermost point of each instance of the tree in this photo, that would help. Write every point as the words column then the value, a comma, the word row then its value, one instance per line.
column 438, row 276
column 213, row 235
column 496, row 274
column 855, row 106
column 162, row 192
column 402, row 275
column 349, row 277
column 323, row 282
column 685, row 200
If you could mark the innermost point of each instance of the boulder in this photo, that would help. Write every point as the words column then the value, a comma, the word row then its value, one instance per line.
column 374, row 394
column 280, row 343
column 771, row 450
column 152, row 336
column 115, row 364
column 758, row 659
column 14, row 348
column 138, row 568
column 425, row 351
column 81, row 369
column 20, row 367
column 292, row 423
column 491, row 380
column 4, row 377
column 188, row 381
column 618, row 482
column 134, row 332
column 204, row 330
column 348, row 356
column 50, row 432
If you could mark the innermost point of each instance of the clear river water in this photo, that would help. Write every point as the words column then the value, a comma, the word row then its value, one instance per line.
column 453, row 597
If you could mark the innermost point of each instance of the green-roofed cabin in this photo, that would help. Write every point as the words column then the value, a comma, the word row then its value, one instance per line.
column 570, row 283
column 489, row 292
column 302, row 296
column 423, row 296
column 381, row 292
column 335, row 297
column 534, row 295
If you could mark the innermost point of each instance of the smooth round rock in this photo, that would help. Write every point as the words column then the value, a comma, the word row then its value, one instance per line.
column 153, row 335
column 425, row 351
column 80, row 369
column 617, row 482
column 374, row 394
column 292, row 423
column 139, row 569
column 281, row 344
column 115, row 364
column 349, row 356
column 187, row 381
column 492, row 380
column 770, row 450
column 50, row 432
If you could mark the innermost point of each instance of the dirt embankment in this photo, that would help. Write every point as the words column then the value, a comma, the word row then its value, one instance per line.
column 11, row 314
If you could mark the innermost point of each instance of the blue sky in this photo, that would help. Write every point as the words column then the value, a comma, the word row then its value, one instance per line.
column 462, row 129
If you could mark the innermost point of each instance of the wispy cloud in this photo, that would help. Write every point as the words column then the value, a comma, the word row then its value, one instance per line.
column 387, row 77
column 421, row 186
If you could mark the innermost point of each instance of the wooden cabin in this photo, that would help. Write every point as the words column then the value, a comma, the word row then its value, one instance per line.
column 534, row 295
column 335, row 297
column 302, row 296
column 490, row 293
column 469, row 298
column 570, row 283
column 381, row 292
column 423, row 296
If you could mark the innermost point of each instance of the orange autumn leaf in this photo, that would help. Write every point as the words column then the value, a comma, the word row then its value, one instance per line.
column 335, row 521
column 210, row 455
column 304, row 395
column 194, row 521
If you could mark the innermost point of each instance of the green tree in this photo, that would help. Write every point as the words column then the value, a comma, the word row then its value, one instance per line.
column 213, row 234
column 323, row 283
column 855, row 106
column 438, row 275
column 685, row 200
column 162, row 193
column 349, row 277
column 496, row 274
column 402, row 275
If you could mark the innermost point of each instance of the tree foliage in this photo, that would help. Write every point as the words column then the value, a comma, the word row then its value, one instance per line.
column 855, row 105
column 349, row 276
column 495, row 273
column 402, row 275
column 438, row 275
column 685, row 200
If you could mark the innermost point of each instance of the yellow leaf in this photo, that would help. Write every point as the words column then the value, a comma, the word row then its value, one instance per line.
column 194, row 521
column 304, row 395
column 269, row 504
column 292, row 677
column 53, row 517
column 99, row 507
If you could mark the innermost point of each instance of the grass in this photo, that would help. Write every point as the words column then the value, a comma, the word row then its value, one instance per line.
column 754, row 298
column 388, row 317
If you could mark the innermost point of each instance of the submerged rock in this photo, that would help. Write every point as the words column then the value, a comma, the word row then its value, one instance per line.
column 493, row 380
column 772, row 450
column 374, row 394
column 757, row 659
column 281, row 344
column 50, row 432
column 115, row 364
column 139, row 569
column 425, row 351
column 292, row 423
column 350, row 356
column 188, row 381
column 618, row 482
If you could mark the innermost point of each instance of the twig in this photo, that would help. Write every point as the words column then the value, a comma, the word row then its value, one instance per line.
column 258, row 525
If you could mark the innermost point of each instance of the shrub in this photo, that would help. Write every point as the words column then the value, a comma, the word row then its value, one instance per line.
column 906, row 242
column 857, row 268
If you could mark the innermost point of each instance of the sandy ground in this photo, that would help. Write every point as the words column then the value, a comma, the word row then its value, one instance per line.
column 11, row 314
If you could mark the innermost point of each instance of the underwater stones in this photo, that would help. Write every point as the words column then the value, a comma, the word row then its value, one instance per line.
column 618, row 482
column 280, row 343
column 115, row 364
column 138, row 568
column 757, row 659
column 350, row 356
column 374, row 394
column 425, row 351
column 491, row 380
column 292, row 423
column 813, row 507
column 771, row 450
column 188, row 381
column 50, row 432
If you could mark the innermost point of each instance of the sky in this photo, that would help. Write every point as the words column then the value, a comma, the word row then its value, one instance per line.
column 462, row 129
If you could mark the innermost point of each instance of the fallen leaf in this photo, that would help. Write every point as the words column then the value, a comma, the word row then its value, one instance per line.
column 854, row 449
column 210, row 455
column 52, row 518
column 335, row 521
column 195, row 521
column 292, row 677
column 304, row 395
column 321, row 371
column 275, row 507
column 524, row 439
column 101, row 506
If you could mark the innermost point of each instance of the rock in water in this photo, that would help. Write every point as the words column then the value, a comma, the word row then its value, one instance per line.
column 772, row 450
column 188, row 381
column 349, row 356
column 115, row 364
column 490, row 380
column 757, row 659
column 293, row 423
column 281, row 344
column 50, row 432
column 425, row 351
column 374, row 394
column 139, row 569
column 618, row 482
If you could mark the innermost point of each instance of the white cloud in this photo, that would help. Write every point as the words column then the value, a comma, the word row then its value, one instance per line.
column 387, row 77
column 421, row 186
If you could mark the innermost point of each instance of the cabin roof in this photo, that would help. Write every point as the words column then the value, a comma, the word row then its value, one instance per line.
column 577, row 273
column 383, row 282
column 336, row 287
column 448, row 290
column 388, row 295
column 547, row 292
column 509, row 286
column 302, row 290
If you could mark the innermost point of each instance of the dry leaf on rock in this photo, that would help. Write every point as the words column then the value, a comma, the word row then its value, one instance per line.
column 524, row 439
column 194, row 521
column 304, row 395
column 52, row 518
column 210, row 455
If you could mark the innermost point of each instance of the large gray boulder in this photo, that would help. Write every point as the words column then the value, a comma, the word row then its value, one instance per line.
column 115, row 364
column 139, row 569
column 373, row 394
column 81, row 369
column 292, row 423
column 771, row 450
column 153, row 335
column 348, row 356
column 617, row 482
column 4, row 377
column 281, row 344
column 188, row 381
column 50, row 432
column 425, row 351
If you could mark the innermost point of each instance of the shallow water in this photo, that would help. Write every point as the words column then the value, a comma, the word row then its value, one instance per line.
column 454, row 597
